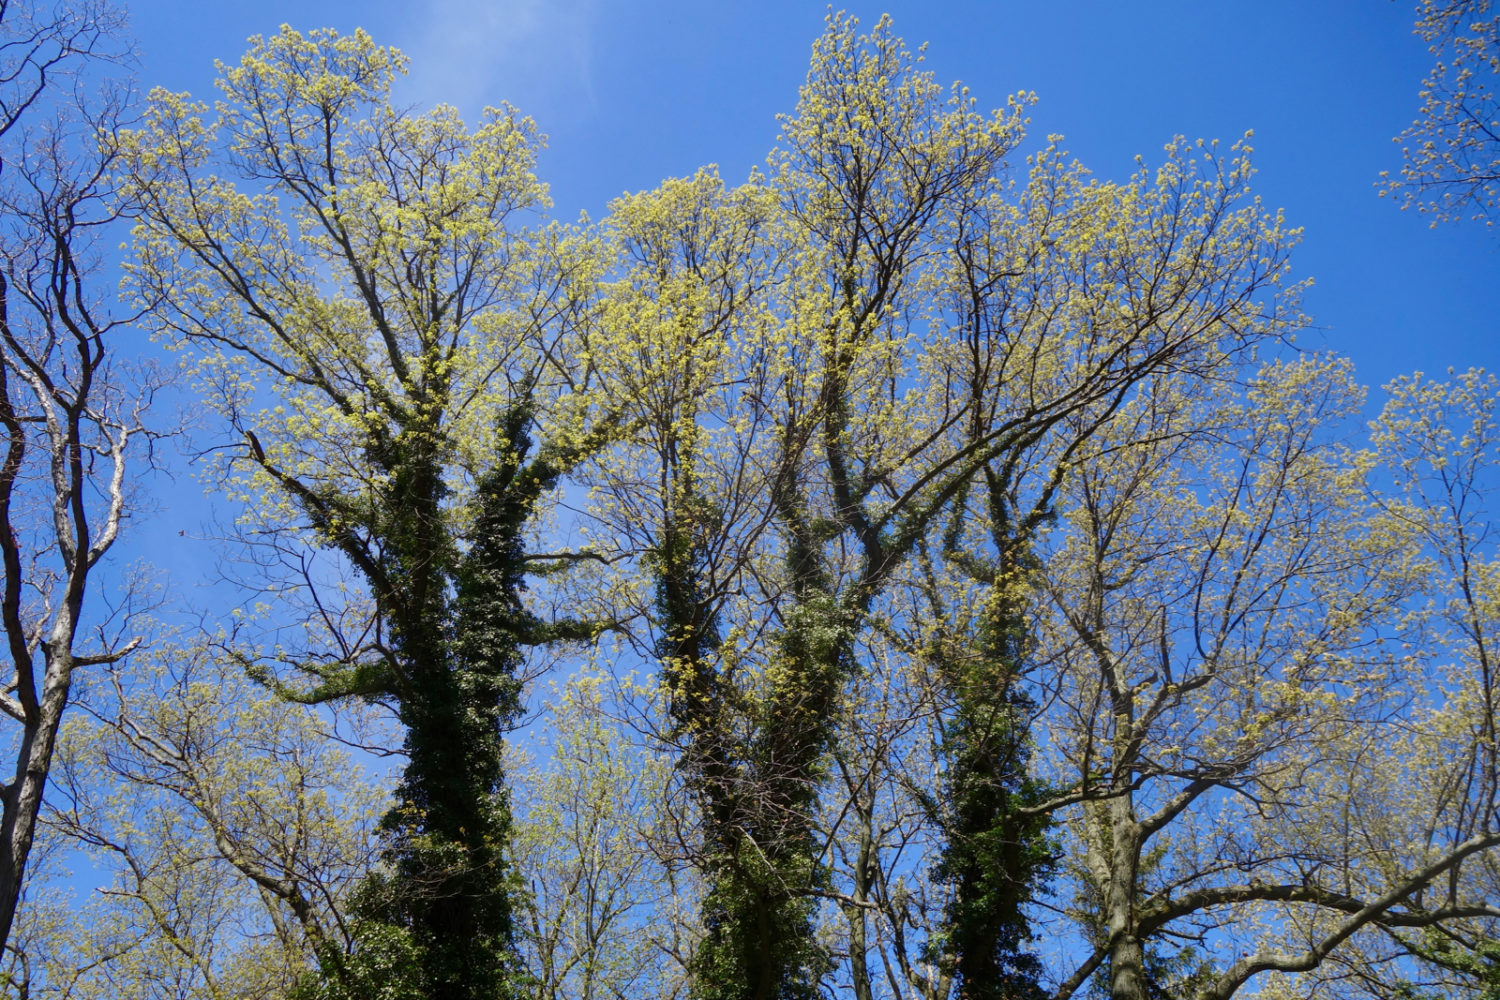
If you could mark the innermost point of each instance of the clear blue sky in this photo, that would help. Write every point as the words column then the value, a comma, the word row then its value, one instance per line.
column 633, row 91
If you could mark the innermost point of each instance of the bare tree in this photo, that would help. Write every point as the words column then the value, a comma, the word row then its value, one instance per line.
column 42, row 46
column 67, row 415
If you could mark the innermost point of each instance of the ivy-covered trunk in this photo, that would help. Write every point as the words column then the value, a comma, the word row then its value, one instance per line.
column 753, row 947
column 997, row 854
column 459, row 628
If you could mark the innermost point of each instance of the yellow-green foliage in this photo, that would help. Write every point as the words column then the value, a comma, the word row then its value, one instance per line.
column 1452, row 149
column 230, row 825
column 1020, row 447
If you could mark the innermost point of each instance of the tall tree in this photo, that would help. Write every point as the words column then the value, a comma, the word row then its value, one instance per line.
column 1435, row 782
column 70, row 414
column 955, row 327
column 1222, row 599
column 693, row 298
column 848, row 342
column 421, row 351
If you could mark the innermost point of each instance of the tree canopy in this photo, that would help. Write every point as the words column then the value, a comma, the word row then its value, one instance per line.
column 921, row 568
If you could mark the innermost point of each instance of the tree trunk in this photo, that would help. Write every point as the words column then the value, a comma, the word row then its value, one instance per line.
column 864, row 859
column 1127, row 956
column 23, row 796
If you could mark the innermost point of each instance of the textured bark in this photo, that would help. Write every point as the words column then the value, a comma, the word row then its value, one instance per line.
column 1127, row 957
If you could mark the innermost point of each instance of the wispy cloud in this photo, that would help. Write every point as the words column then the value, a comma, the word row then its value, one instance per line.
column 472, row 53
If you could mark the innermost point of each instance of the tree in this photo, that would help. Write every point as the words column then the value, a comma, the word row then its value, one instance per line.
column 71, row 415
column 1432, row 783
column 1228, row 699
column 588, row 838
column 45, row 47
column 1045, row 316
column 695, row 263
column 232, row 826
column 997, row 850
column 845, row 345
column 429, row 390
column 1452, row 150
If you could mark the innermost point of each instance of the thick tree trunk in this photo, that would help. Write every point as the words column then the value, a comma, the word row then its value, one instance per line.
column 1127, row 980
column 1127, row 956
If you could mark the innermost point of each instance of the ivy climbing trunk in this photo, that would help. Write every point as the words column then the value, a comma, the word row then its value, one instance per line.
column 996, row 854
column 763, row 868
column 458, row 628
column 372, row 282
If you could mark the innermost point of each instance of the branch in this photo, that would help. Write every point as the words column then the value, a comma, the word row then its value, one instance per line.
column 362, row 680
column 1080, row 975
column 576, row 557
column 1153, row 917
column 115, row 657
column 1371, row 913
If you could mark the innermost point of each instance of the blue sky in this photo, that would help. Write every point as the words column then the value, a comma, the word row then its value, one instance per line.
column 634, row 91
